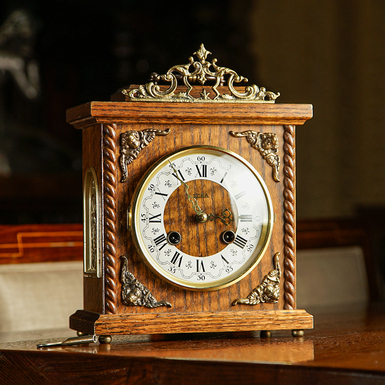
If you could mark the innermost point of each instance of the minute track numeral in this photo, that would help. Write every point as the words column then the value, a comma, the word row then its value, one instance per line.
column 202, row 170
column 240, row 241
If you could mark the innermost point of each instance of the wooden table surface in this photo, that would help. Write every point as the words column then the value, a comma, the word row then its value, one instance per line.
column 347, row 346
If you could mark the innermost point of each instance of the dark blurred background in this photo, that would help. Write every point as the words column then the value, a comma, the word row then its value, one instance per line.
column 60, row 53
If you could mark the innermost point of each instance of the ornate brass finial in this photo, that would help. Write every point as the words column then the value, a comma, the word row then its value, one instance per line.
column 267, row 144
column 135, row 293
column 132, row 143
column 267, row 291
column 201, row 72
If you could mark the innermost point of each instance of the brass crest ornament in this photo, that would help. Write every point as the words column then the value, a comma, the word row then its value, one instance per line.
column 135, row 293
column 267, row 291
column 267, row 144
column 199, row 71
column 132, row 143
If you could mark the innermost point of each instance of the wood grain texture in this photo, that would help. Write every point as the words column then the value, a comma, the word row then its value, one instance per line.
column 215, row 199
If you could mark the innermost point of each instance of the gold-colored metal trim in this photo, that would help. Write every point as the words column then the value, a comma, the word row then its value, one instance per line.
column 91, row 219
column 267, row 144
column 267, row 291
column 134, row 293
column 132, row 143
column 201, row 72
column 134, row 220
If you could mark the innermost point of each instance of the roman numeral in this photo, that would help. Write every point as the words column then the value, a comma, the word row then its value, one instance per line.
column 200, row 266
column 240, row 195
column 162, row 194
column 161, row 240
column 178, row 177
column 240, row 242
column 202, row 170
column 224, row 176
column 155, row 219
column 246, row 218
column 177, row 259
column 224, row 259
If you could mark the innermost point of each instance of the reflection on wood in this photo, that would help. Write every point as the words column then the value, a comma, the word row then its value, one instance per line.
column 347, row 346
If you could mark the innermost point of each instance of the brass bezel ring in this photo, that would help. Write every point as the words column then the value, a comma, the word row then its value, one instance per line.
column 149, row 260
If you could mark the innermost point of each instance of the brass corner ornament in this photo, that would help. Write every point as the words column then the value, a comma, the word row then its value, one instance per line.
column 201, row 72
column 132, row 143
column 267, row 144
column 267, row 291
column 135, row 293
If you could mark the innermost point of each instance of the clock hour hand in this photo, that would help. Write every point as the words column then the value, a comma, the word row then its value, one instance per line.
column 200, row 215
column 226, row 217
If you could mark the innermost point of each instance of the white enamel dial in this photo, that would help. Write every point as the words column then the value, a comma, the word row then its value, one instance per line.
column 201, row 218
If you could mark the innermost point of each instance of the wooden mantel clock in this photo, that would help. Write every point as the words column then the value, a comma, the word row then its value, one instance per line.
column 189, row 206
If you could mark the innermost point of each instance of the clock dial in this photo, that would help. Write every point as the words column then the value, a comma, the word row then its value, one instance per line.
column 201, row 218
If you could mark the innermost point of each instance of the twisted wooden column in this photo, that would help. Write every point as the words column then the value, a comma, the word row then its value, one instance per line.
column 289, row 214
column 110, row 224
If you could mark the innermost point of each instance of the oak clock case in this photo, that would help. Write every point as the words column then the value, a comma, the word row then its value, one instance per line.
column 189, row 206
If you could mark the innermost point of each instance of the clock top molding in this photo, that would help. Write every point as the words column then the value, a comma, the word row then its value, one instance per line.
column 192, row 93
column 92, row 113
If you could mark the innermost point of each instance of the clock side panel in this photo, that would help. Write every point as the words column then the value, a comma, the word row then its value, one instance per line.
column 182, row 300
column 93, row 287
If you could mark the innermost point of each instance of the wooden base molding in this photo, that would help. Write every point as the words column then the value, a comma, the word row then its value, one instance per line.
column 168, row 323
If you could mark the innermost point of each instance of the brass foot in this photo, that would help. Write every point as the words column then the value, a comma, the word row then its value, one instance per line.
column 297, row 333
column 81, row 334
column 105, row 339
column 265, row 334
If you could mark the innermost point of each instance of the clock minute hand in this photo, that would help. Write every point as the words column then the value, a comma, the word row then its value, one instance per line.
column 201, row 216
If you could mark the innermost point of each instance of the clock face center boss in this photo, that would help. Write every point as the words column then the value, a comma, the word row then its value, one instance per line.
column 217, row 207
